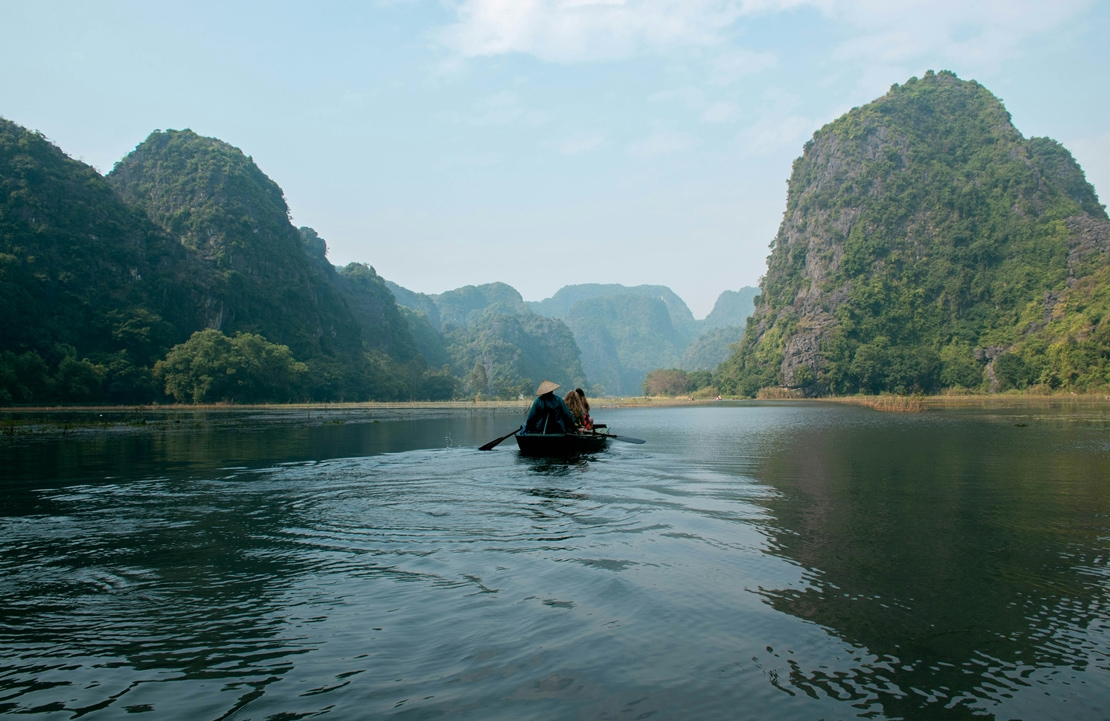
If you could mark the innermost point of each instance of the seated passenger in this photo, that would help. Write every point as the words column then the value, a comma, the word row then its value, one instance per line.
column 548, row 413
column 579, row 408
column 576, row 406
column 587, row 422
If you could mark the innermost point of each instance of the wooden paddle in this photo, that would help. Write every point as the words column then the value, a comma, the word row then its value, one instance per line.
column 489, row 446
column 626, row 439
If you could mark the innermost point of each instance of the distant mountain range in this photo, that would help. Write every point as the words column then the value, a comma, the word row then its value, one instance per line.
column 622, row 332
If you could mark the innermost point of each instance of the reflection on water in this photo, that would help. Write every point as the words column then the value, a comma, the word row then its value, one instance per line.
column 753, row 561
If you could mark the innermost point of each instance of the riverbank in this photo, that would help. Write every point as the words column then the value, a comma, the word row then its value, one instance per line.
column 21, row 423
column 28, row 422
column 920, row 403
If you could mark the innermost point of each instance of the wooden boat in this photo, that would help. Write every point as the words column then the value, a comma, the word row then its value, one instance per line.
column 560, row 444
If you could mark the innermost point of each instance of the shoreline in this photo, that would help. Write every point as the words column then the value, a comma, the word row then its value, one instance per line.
column 24, row 423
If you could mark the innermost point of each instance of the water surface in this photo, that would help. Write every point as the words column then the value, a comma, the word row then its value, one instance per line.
column 792, row 561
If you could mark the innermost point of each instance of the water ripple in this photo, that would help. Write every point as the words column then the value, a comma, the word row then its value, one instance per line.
column 718, row 568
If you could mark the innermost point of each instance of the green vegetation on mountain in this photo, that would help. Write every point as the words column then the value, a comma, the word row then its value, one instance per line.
column 926, row 245
column 1072, row 349
column 464, row 306
column 217, row 203
column 210, row 368
column 180, row 276
column 92, row 292
column 677, row 382
column 711, row 348
column 731, row 309
column 495, row 345
column 567, row 297
column 418, row 302
column 101, row 277
column 263, row 276
column 429, row 341
column 622, row 331
column 622, row 337
column 506, row 356
column 622, row 334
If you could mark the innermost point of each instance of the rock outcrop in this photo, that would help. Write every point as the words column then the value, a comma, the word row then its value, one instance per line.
column 917, row 228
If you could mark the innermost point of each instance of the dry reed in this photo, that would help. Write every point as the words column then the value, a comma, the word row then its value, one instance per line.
column 772, row 393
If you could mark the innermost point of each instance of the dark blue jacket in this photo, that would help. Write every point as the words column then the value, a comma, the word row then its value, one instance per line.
column 549, row 415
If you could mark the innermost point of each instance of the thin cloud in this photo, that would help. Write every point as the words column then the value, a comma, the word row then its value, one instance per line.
column 583, row 142
column 730, row 66
column 720, row 112
column 716, row 112
column 469, row 161
column 500, row 109
column 774, row 133
column 570, row 31
column 983, row 33
column 663, row 142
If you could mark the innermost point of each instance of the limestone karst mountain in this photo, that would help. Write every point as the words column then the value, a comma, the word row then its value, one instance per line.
column 92, row 291
column 927, row 244
column 260, row 274
column 100, row 277
column 626, row 331
column 622, row 332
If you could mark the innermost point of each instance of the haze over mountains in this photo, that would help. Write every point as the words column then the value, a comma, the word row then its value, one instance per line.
column 622, row 332
column 926, row 245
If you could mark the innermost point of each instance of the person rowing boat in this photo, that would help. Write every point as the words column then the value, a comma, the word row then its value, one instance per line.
column 550, row 429
column 549, row 414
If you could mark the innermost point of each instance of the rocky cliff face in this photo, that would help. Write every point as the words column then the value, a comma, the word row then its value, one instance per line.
column 918, row 229
column 258, row 273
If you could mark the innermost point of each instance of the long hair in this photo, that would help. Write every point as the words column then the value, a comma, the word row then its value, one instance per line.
column 577, row 405
column 582, row 397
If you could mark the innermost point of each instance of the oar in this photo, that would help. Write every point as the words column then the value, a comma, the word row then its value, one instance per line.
column 626, row 439
column 489, row 446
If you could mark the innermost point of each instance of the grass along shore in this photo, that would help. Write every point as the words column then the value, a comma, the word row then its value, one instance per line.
column 918, row 403
column 23, row 422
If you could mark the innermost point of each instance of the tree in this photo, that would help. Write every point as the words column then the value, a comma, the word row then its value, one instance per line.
column 210, row 367
column 665, row 382
column 476, row 381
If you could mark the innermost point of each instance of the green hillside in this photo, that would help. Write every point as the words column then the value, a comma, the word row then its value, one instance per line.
column 180, row 275
column 92, row 292
column 926, row 245
column 466, row 305
column 262, row 275
column 731, row 309
column 506, row 356
column 622, row 337
column 567, row 297
column 495, row 345
column 711, row 348
column 418, row 302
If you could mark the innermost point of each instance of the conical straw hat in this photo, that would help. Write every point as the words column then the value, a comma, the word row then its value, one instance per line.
column 546, row 387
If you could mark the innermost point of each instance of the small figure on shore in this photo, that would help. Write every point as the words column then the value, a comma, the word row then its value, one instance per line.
column 549, row 414
column 579, row 408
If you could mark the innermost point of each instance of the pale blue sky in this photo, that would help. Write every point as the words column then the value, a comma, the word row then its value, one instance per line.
column 538, row 142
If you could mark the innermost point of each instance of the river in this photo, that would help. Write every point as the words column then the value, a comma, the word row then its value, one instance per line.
column 751, row 560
